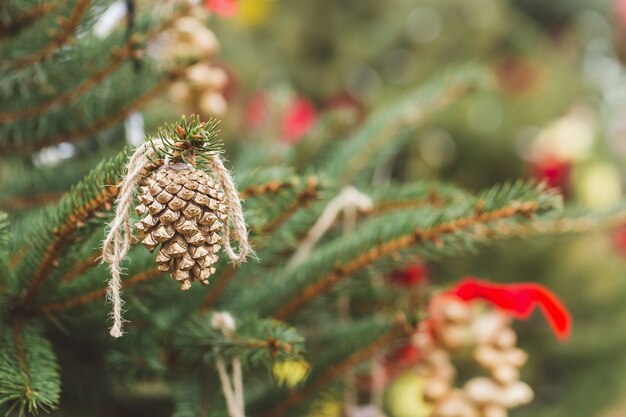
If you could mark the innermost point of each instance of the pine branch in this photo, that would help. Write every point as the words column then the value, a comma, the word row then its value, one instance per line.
column 254, row 341
column 428, row 231
column 220, row 285
column 131, row 50
column 58, row 38
column 346, row 269
column 63, row 235
column 332, row 372
column 381, row 136
column 10, row 29
column 57, row 228
column 86, row 298
column 302, row 199
column 251, row 191
column 104, row 123
column 30, row 380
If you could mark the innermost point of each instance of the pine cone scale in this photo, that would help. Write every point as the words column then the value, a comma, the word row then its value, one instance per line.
column 184, row 212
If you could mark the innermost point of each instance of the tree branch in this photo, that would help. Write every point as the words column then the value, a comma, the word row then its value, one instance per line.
column 118, row 56
column 57, row 38
column 121, row 114
column 62, row 237
column 333, row 372
column 343, row 271
column 11, row 29
column 90, row 296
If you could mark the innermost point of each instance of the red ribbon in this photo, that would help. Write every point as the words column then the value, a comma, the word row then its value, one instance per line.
column 224, row 8
column 518, row 300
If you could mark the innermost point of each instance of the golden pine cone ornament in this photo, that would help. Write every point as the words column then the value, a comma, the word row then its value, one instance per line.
column 183, row 210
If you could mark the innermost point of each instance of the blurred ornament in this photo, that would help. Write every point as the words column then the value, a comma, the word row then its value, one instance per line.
column 254, row 12
column 620, row 12
column 224, row 8
column 489, row 335
column 568, row 139
column 298, row 118
column 187, row 38
column 598, row 185
column 415, row 274
column 405, row 396
column 619, row 238
column 555, row 172
column 202, row 90
column 517, row 75
column 257, row 111
column 290, row 373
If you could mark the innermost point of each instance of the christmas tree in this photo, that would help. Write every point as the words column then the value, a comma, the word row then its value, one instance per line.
column 304, row 256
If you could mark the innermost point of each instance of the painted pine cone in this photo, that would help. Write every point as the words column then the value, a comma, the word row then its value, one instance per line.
column 183, row 210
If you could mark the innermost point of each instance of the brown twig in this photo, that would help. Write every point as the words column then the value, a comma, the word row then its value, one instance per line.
column 95, row 294
column 81, row 267
column 272, row 187
column 343, row 271
column 62, row 235
column 25, row 202
column 302, row 200
column 58, row 38
column 25, row 19
column 297, row 397
column 220, row 285
column 407, row 204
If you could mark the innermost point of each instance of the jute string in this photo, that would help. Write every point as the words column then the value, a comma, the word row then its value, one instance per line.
column 348, row 200
column 117, row 242
column 231, row 387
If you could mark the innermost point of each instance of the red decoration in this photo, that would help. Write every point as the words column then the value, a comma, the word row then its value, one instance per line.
column 555, row 172
column 257, row 111
column 410, row 276
column 619, row 238
column 224, row 8
column 620, row 12
column 518, row 300
column 297, row 119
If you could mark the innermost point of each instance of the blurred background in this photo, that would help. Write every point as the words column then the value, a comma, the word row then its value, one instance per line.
column 282, row 70
column 557, row 114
